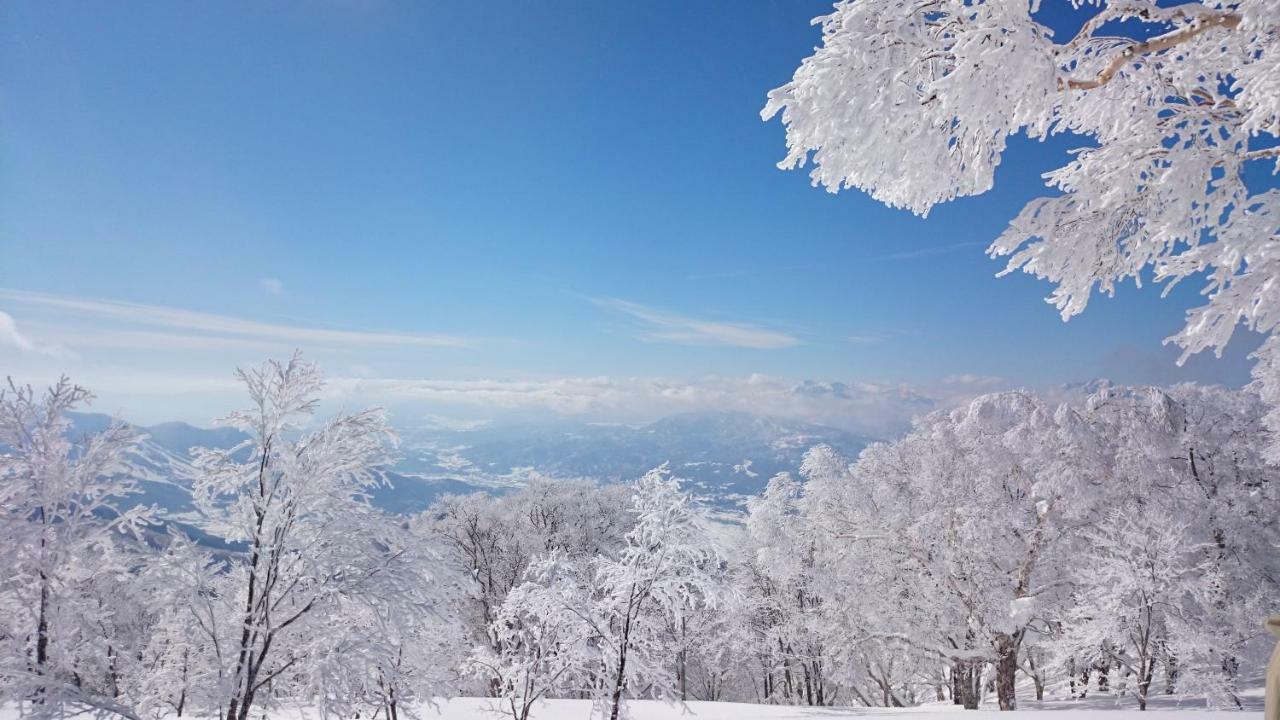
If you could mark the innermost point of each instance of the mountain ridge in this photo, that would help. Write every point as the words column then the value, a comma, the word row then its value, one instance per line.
column 726, row 456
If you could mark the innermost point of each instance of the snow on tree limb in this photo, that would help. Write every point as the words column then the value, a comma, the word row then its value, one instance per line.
column 913, row 104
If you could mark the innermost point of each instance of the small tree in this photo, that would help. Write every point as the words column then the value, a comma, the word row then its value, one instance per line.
column 667, row 569
column 542, row 643
column 609, row 616
column 491, row 541
column 63, row 505
column 297, row 500
column 182, row 658
column 783, row 569
column 1133, row 581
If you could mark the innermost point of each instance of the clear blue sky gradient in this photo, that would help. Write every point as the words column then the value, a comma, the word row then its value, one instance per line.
column 488, row 169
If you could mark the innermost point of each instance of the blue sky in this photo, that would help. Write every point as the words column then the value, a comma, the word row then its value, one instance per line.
column 527, row 198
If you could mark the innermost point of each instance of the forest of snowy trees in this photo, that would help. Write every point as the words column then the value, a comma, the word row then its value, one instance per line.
column 1012, row 548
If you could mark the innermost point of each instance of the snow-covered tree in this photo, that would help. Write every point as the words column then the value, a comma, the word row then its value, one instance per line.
column 182, row 657
column 914, row 103
column 1130, row 530
column 948, row 542
column 64, row 510
column 707, row 645
column 391, row 649
column 668, row 568
column 1135, row 575
column 541, row 639
column 1122, row 540
column 297, row 499
column 490, row 541
column 788, row 610
column 617, row 607
column 1192, row 457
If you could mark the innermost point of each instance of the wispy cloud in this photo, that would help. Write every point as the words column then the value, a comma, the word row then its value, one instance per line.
column 662, row 326
column 973, row 381
column 10, row 337
column 199, row 329
column 930, row 251
column 272, row 286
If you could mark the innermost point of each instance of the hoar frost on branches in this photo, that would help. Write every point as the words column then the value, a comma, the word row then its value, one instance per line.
column 786, row 611
column 319, row 598
column 599, row 626
column 64, row 510
column 914, row 103
column 326, row 578
column 489, row 543
column 1133, row 531
column 1121, row 543
column 927, row 507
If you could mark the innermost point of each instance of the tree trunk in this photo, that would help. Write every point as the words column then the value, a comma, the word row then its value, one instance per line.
column 786, row 670
column 42, row 621
column 1170, row 675
column 1036, row 674
column 969, row 674
column 42, row 635
column 682, row 662
column 1145, row 672
column 620, row 681
column 975, row 685
column 112, row 674
column 1007, row 670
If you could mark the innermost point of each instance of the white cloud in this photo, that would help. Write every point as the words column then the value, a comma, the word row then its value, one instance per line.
column 272, row 286
column 194, row 395
column 661, row 326
column 972, row 381
column 181, row 393
column 878, row 410
column 10, row 337
column 201, row 329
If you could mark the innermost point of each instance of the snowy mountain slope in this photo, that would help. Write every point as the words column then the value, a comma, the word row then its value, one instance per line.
column 726, row 457
column 164, row 458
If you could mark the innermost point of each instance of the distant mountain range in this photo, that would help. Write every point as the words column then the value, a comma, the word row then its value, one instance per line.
column 725, row 456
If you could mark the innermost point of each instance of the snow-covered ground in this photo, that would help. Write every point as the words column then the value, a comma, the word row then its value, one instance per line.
column 1107, row 708
column 483, row 709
